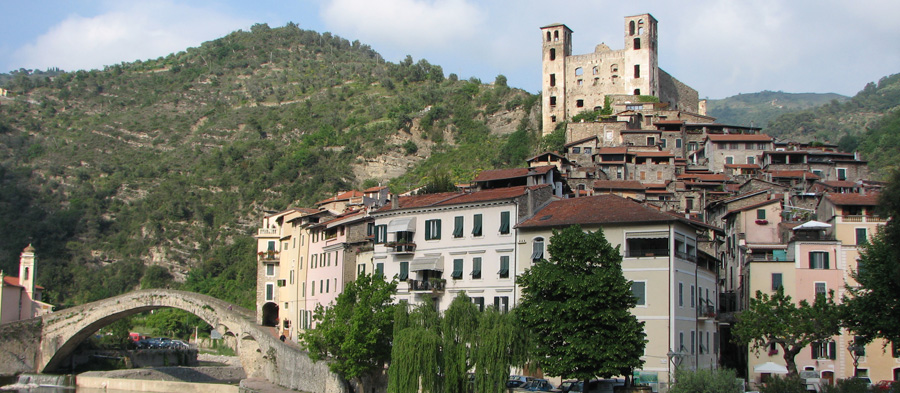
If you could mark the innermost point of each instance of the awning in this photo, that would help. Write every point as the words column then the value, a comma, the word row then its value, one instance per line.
column 647, row 235
column 402, row 225
column 430, row 263
column 813, row 225
column 770, row 368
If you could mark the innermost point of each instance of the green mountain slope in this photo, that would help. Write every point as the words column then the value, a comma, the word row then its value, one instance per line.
column 758, row 109
column 172, row 161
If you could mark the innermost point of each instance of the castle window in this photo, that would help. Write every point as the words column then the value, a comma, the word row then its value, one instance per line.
column 637, row 70
column 552, row 100
column 548, row 36
column 596, row 81
column 579, row 103
column 637, row 43
column 637, row 92
column 640, row 26
column 552, row 80
column 579, row 71
column 580, row 82
column 552, row 54
column 631, row 28
column 556, row 35
column 596, row 70
column 553, row 119
column 614, row 68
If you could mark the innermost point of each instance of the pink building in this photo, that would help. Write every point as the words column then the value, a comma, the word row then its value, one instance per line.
column 20, row 297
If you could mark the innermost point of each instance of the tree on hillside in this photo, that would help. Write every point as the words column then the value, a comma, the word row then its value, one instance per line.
column 792, row 326
column 355, row 333
column 873, row 308
column 576, row 306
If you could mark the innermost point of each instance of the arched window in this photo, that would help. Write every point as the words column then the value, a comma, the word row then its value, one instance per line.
column 537, row 250
column 552, row 53
column 26, row 274
column 556, row 35
column 596, row 70
column 614, row 68
column 637, row 92
column 637, row 43
column 579, row 71
column 631, row 28
column 548, row 36
column 640, row 26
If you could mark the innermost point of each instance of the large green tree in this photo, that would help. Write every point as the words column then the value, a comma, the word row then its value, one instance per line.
column 354, row 333
column 873, row 308
column 777, row 319
column 576, row 305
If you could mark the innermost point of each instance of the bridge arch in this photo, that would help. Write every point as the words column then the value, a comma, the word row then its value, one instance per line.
column 262, row 354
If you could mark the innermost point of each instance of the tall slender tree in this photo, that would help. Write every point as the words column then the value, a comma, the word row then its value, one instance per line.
column 577, row 306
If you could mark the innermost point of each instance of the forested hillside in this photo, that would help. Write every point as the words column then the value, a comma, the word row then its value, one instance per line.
column 758, row 109
column 148, row 171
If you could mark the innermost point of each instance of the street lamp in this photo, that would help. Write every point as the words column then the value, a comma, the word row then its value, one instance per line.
column 856, row 352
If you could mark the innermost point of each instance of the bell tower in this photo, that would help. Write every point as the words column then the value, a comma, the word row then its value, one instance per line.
column 557, row 45
column 26, row 280
column 641, row 68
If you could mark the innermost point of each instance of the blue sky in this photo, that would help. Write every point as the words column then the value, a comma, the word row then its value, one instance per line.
column 719, row 47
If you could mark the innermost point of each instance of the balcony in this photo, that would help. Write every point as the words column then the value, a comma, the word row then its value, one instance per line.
column 686, row 256
column 267, row 231
column 268, row 255
column 401, row 248
column 861, row 218
column 647, row 252
column 433, row 285
column 706, row 312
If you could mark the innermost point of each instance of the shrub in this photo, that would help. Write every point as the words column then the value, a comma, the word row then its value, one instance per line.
column 788, row 384
column 701, row 381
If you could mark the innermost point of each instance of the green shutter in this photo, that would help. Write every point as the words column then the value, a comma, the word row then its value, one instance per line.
column 437, row 229
column 404, row 271
column 458, row 226
column 428, row 229
column 457, row 269
column 476, row 267
column 825, row 257
column 504, row 222
column 504, row 267
column 379, row 269
column 476, row 227
column 760, row 214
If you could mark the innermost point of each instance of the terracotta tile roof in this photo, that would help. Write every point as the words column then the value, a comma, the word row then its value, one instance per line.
column 373, row 189
column 742, row 166
column 739, row 138
column 14, row 281
column 704, row 177
column 512, row 173
column 341, row 197
column 612, row 150
column 557, row 155
column 458, row 198
column 593, row 210
column 839, row 183
column 669, row 122
column 753, row 206
column 870, row 199
column 618, row 185
column 654, row 154
column 798, row 174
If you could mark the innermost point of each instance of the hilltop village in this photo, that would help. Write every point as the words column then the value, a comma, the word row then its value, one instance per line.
column 705, row 214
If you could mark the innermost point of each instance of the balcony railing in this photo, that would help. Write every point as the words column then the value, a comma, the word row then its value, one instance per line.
column 860, row 218
column 268, row 255
column 706, row 312
column 686, row 256
column 647, row 252
column 267, row 231
column 432, row 285
column 401, row 248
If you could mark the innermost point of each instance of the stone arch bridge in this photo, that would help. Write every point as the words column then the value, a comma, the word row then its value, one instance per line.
column 42, row 344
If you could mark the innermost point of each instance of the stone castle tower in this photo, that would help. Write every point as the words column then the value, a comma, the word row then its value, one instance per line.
column 575, row 83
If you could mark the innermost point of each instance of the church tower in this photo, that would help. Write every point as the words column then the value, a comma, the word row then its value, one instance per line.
column 27, row 274
column 557, row 45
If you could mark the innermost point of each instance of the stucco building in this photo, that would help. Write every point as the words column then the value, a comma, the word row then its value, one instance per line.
column 20, row 297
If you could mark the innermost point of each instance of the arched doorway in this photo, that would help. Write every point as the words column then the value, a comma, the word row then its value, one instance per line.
column 270, row 314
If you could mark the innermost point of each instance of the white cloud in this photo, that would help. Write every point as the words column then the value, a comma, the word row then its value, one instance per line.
column 411, row 24
column 130, row 31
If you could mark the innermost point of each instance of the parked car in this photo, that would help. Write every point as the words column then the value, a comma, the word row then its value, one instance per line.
column 887, row 386
column 537, row 385
column 594, row 386
column 517, row 381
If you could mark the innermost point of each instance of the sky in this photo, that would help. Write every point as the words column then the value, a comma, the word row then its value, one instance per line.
column 720, row 48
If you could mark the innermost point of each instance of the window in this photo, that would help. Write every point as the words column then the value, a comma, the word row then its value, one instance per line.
column 637, row 44
column 504, row 223
column 270, row 269
column 637, row 71
column 379, row 269
column 579, row 103
column 580, row 82
column 692, row 146
column 457, row 269
column 271, row 245
column 651, row 141
column 729, row 160
column 476, row 226
column 315, row 261
column 380, row 234
column 861, row 236
column 270, row 291
column 693, row 341
column 303, row 289
column 370, row 231
column 760, row 214
column 432, row 229
column 861, row 348
column 552, row 80
column 312, row 289
column 776, row 281
column 693, row 291
column 476, row 267
column 552, row 54
column 821, row 289
column 479, row 301
column 361, row 269
column 680, row 341
column 292, row 277
column 824, row 350
column 842, row 173
column 663, row 142
column 680, row 294
column 504, row 266
column 576, row 150
column 501, row 303
column 678, row 143
column 587, row 150
column 548, row 36
column 751, row 160
column 579, row 71
column 327, row 286
column 458, row 226
column 537, row 252
column 596, row 70
column 639, row 289
column 647, row 244
column 404, row 271
column 715, row 342
column 818, row 260
column 552, row 100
